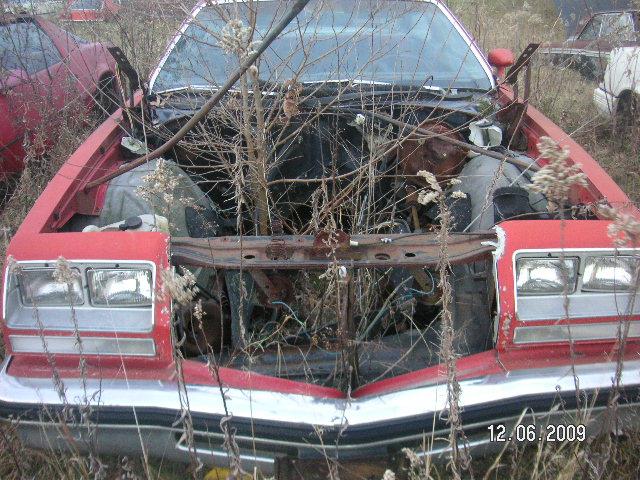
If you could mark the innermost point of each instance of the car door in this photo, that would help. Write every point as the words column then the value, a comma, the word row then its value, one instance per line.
column 34, row 92
column 585, row 49
column 617, row 31
column 88, row 65
column 80, row 62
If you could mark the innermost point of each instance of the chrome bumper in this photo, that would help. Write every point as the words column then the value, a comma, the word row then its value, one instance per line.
column 605, row 102
column 128, row 414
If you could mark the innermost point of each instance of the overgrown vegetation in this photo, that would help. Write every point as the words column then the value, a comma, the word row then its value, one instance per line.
column 559, row 93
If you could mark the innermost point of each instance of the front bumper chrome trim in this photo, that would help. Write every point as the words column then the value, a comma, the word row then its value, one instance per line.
column 274, row 422
column 301, row 409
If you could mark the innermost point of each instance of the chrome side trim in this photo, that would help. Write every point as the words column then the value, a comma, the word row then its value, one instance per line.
column 575, row 51
column 219, row 456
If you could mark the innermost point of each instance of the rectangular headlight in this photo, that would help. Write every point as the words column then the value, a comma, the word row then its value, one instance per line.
column 609, row 274
column 38, row 288
column 546, row 276
column 114, row 287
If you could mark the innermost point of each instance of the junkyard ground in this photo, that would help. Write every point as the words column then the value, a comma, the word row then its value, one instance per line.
column 560, row 93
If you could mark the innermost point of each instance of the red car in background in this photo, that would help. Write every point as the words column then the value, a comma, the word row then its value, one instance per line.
column 588, row 50
column 91, row 10
column 43, row 69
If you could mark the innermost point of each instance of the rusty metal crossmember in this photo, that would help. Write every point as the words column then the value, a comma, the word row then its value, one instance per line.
column 323, row 250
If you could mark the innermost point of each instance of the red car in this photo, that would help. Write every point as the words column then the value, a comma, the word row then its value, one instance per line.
column 44, row 69
column 91, row 10
column 281, row 291
column 588, row 50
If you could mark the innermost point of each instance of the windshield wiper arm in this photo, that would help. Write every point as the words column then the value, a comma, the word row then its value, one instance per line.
column 188, row 89
column 347, row 80
column 266, row 87
column 436, row 93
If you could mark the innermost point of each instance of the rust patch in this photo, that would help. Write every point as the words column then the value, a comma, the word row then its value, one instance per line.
column 435, row 155
column 307, row 252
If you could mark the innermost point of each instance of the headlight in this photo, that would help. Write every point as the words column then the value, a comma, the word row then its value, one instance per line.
column 608, row 274
column 120, row 288
column 543, row 276
column 38, row 288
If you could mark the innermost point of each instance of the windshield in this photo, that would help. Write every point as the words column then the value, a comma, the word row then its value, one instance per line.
column 86, row 5
column 397, row 42
column 24, row 46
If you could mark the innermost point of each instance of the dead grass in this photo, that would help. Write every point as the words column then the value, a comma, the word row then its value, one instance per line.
column 509, row 23
column 566, row 98
column 142, row 30
column 561, row 93
column 42, row 163
column 604, row 458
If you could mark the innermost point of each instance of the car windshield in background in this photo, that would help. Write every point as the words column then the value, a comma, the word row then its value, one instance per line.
column 23, row 46
column 396, row 42
column 618, row 26
column 86, row 5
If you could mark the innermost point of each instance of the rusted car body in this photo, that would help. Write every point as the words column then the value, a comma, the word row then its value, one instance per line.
column 588, row 51
column 542, row 304
column 45, row 69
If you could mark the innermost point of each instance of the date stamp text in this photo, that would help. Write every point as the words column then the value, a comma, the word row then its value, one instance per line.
column 536, row 433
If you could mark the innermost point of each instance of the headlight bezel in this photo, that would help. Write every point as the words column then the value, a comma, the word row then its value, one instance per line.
column 584, row 259
column 85, row 317
column 581, row 304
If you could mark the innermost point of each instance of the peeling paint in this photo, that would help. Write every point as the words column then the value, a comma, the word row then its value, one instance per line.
column 500, row 244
